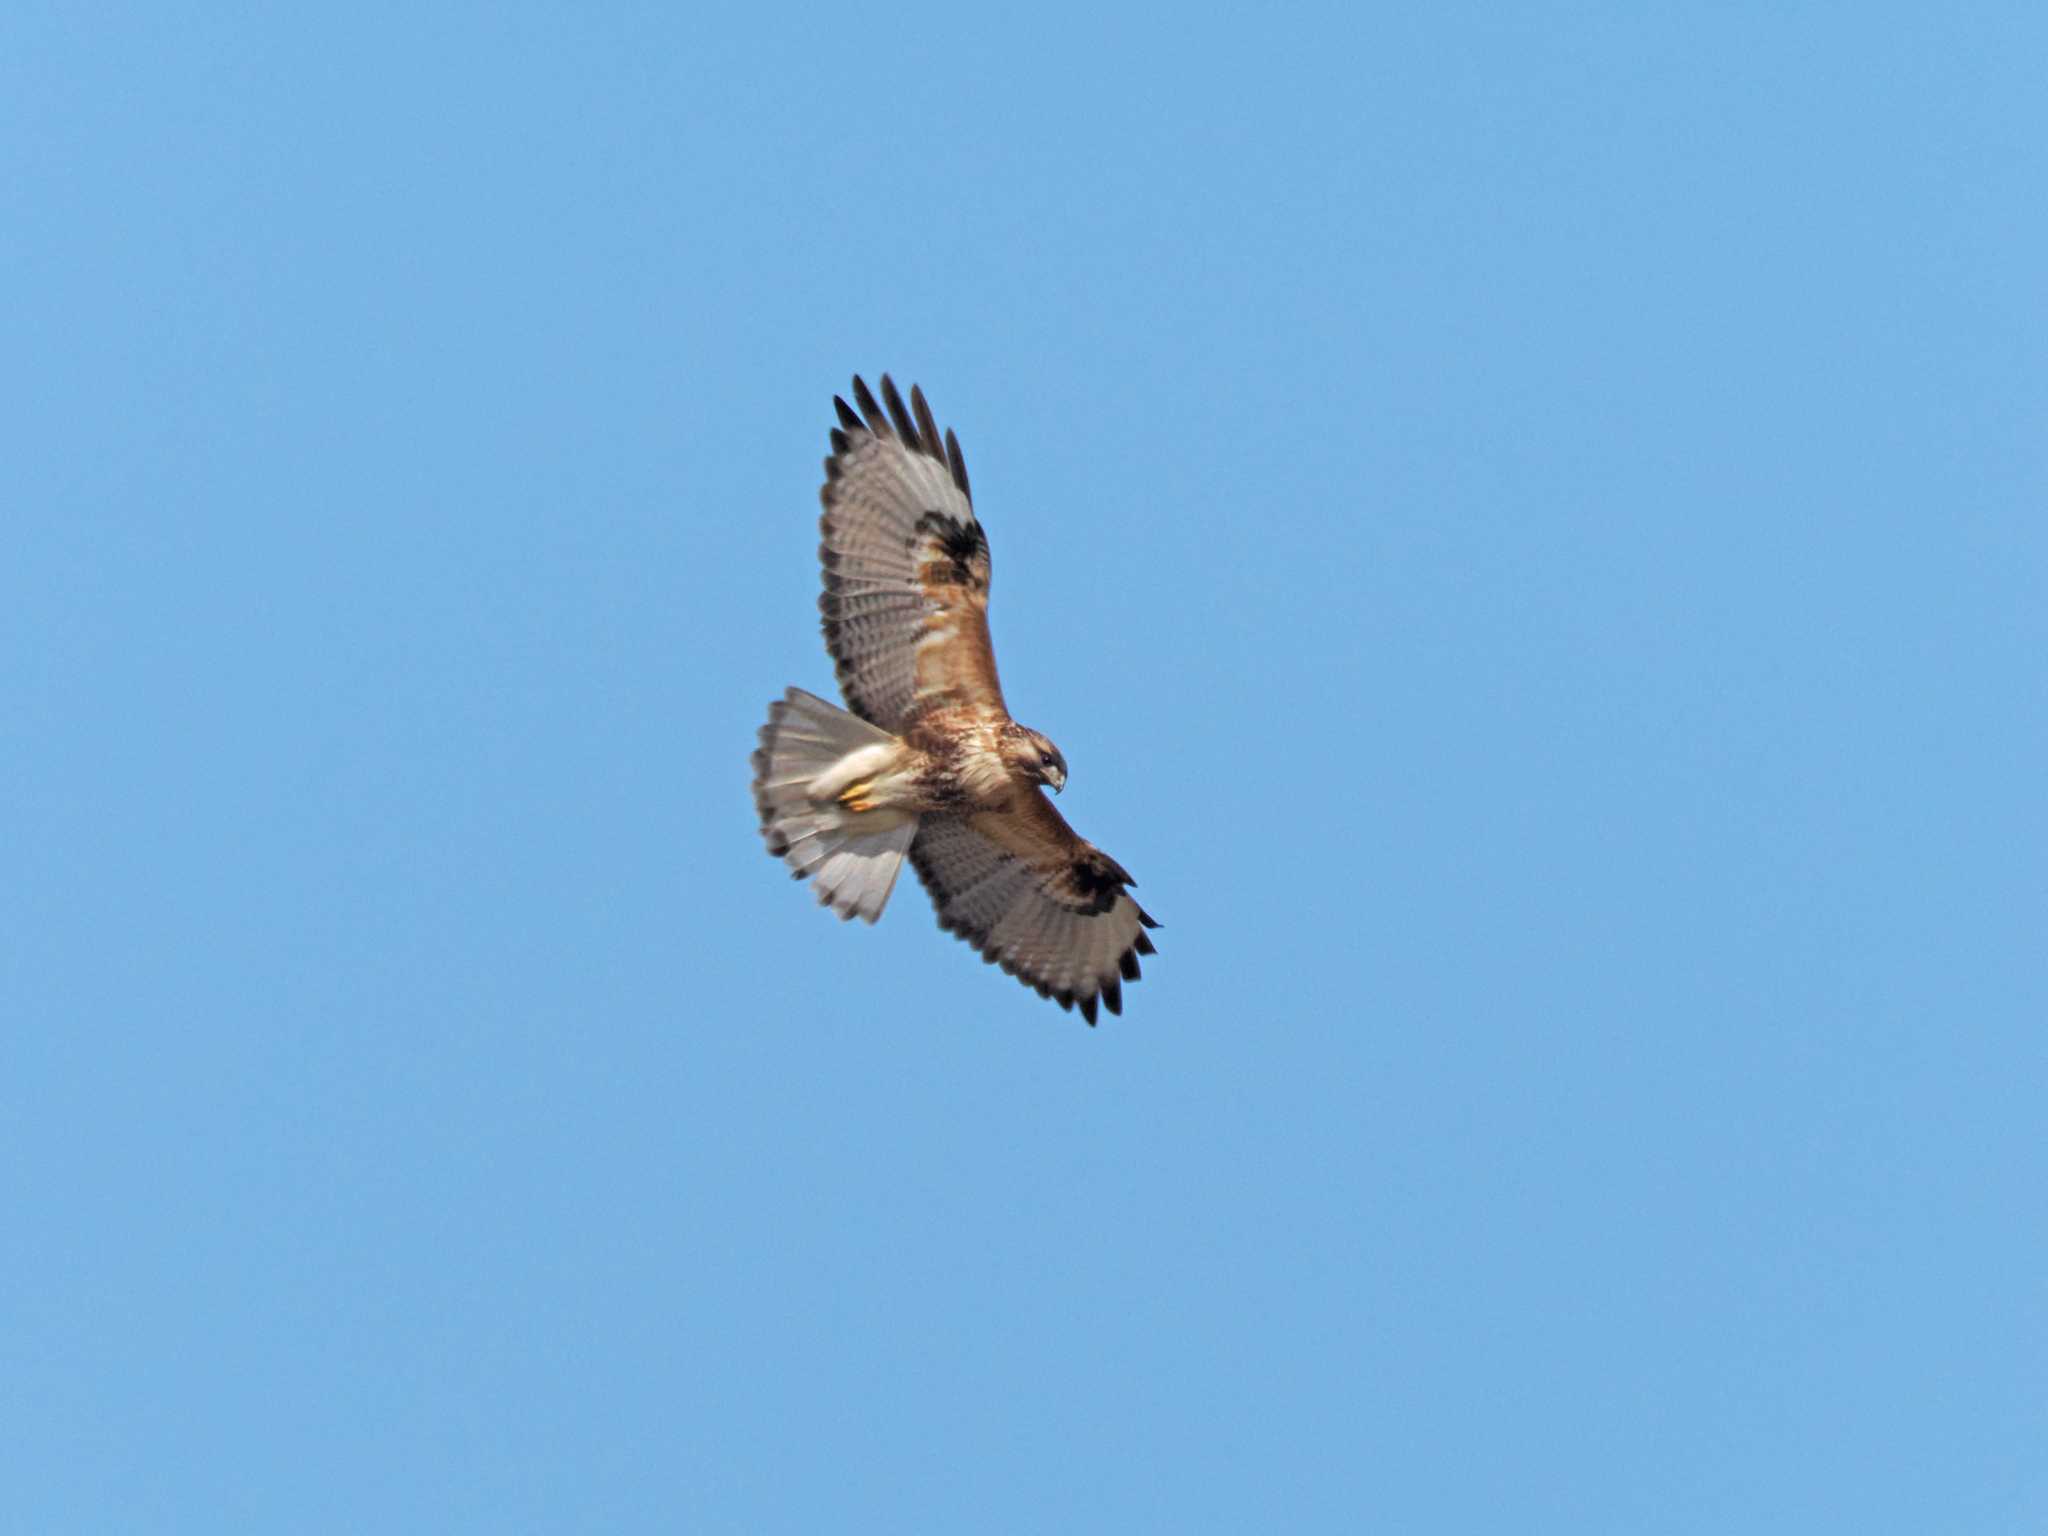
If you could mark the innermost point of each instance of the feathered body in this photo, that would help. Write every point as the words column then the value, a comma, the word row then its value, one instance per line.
column 929, row 764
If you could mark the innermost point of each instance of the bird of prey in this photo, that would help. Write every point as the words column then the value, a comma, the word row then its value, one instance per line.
column 929, row 763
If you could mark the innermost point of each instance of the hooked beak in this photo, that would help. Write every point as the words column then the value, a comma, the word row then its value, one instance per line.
column 1058, row 779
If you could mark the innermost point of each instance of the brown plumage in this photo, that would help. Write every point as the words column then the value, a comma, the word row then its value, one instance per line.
column 930, row 765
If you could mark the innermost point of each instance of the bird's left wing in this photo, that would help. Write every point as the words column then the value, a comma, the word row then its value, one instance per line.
column 906, row 565
column 1036, row 898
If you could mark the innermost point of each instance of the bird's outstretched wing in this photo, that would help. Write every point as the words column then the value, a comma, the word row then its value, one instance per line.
column 1036, row 898
column 906, row 565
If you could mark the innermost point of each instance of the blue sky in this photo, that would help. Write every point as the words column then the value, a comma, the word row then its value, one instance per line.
column 1528, row 530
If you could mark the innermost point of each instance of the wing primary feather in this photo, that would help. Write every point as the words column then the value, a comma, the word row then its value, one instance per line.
column 905, row 427
column 1113, row 996
column 927, row 429
column 1129, row 965
column 958, row 465
column 1088, row 1009
column 847, row 419
column 874, row 421
column 1144, row 945
column 840, row 442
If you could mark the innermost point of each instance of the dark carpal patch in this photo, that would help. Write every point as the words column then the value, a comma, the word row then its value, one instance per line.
column 1095, row 881
column 961, row 550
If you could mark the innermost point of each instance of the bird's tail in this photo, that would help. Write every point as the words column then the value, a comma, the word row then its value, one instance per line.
column 853, row 856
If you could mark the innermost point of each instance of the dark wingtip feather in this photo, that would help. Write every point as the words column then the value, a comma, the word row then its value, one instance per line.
column 847, row 419
column 1147, row 918
column 1144, row 946
column 1088, row 1009
column 958, row 464
column 1113, row 996
column 927, row 429
column 906, row 429
column 1129, row 965
column 873, row 418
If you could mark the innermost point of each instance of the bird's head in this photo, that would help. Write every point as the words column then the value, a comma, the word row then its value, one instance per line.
column 1031, row 755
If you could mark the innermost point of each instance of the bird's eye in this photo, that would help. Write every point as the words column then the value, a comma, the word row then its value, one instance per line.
column 1045, row 759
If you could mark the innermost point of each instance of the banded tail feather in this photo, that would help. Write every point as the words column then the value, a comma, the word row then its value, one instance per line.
column 852, row 858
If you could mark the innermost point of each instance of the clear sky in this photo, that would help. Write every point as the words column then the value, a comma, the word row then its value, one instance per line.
column 1528, row 529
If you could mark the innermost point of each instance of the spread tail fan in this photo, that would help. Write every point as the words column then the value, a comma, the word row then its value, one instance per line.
column 851, row 857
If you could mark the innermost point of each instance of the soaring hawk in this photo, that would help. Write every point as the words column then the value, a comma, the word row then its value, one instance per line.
column 929, row 763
